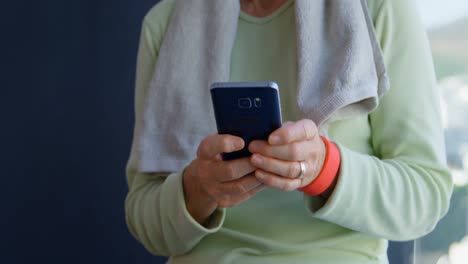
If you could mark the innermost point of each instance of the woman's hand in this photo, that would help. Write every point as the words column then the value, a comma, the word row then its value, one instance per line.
column 209, row 182
column 278, row 160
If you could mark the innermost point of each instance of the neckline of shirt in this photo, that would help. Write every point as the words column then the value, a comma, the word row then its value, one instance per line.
column 266, row 19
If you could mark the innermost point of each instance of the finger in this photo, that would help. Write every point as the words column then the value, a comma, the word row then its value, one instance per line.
column 283, row 168
column 301, row 150
column 304, row 129
column 278, row 182
column 214, row 145
column 231, row 201
column 226, row 171
column 240, row 186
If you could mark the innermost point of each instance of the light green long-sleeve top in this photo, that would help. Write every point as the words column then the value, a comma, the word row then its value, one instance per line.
column 393, row 182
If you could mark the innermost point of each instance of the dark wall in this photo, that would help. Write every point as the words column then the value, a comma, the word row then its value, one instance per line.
column 67, row 121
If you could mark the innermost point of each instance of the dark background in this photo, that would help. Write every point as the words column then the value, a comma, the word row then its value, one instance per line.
column 67, row 120
column 66, row 131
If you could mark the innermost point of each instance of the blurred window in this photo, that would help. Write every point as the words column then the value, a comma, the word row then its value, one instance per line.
column 447, row 27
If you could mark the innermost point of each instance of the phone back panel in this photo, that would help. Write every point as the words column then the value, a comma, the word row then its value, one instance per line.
column 248, row 110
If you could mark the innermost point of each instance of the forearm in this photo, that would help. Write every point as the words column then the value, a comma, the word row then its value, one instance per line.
column 393, row 199
column 157, row 216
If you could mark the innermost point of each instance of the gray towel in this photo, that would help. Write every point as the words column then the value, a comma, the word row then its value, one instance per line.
column 341, row 72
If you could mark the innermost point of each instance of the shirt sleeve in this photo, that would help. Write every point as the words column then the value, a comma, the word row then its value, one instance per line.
column 155, row 209
column 402, row 191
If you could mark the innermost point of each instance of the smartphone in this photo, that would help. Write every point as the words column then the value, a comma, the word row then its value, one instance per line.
column 250, row 110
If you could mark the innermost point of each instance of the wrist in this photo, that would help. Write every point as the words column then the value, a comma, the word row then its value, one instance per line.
column 324, row 183
column 199, row 206
column 326, row 194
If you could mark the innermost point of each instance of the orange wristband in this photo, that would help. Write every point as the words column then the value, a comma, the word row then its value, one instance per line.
column 330, row 168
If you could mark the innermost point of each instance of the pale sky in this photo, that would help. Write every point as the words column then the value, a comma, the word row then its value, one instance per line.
column 438, row 12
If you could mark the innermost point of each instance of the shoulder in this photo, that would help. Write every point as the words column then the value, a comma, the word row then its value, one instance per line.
column 396, row 19
column 392, row 8
column 374, row 7
column 156, row 20
column 160, row 12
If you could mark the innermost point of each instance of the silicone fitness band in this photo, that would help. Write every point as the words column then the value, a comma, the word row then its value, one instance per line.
column 330, row 168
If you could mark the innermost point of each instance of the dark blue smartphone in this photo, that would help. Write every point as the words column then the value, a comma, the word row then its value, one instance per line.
column 250, row 110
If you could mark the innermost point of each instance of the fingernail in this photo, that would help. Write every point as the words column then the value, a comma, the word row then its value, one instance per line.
column 275, row 140
column 238, row 144
column 259, row 175
column 257, row 160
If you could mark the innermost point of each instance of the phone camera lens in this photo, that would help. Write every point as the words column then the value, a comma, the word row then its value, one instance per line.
column 244, row 103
